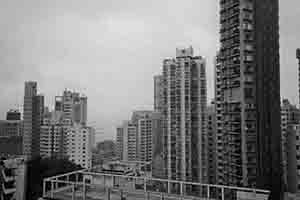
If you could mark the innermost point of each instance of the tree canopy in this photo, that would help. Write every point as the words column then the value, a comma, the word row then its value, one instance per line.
column 40, row 168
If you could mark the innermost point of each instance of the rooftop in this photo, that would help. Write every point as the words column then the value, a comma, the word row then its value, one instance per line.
column 88, row 185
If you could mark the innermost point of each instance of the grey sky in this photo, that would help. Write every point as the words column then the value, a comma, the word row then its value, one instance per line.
column 110, row 49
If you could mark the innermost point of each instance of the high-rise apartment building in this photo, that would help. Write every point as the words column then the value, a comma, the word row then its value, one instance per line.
column 211, row 143
column 250, row 95
column 184, row 113
column 73, row 106
column 129, row 150
column 80, row 141
column 33, row 118
column 143, row 122
column 120, row 142
column 52, row 137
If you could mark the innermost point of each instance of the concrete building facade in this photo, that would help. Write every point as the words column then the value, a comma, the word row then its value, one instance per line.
column 33, row 119
column 120, row 142
column 184, row 113
column 211, row 143
column 290, row 118
column 13, row 115
column 250, row 95
column 52, row 138
column 80, row 141
column 158, row 93
column 130, row 141
column 74, row 107
column 12, row 179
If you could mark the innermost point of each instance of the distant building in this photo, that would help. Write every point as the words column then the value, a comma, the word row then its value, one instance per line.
column 73, row 106
column 143, row 121
column 52, row 137
column 290, row 119
column 120, row 142
column 13, row 125
column 10, row 128
column 140, row 138
column 157, row 146
column 11, row 146
column 80, row 142
column 33, row 119
column 12, row 179
column 13, row 115
column 105, row 151
column 292, row 152
column 211, row 143
column 158, row 93
column 184, row 112
column 130, row 141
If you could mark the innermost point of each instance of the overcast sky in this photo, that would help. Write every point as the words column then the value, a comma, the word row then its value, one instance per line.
column 111, row 49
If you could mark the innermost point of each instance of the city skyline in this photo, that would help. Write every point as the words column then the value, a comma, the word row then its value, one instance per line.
column 113, row 88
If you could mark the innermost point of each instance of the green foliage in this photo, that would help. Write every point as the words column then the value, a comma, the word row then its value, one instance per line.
column 39, row 168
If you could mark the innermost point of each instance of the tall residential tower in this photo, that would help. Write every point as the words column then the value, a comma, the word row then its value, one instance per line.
column 33, row 119
column 184, row 112
column 250, row 95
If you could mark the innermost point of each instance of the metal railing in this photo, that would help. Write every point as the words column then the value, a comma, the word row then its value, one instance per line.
column 87, row 185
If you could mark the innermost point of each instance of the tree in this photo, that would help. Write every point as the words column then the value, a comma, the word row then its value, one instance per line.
column 40, row 168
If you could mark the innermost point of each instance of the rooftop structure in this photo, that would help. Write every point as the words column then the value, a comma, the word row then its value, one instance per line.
column 87, row 185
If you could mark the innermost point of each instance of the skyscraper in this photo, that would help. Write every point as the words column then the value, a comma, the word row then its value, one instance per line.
column 250, row 95
column 33, row 118
column 184, row 112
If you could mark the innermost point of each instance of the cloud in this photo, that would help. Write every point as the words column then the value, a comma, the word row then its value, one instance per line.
column 110, row 50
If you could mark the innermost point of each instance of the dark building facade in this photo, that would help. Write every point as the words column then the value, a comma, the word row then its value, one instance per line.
column 250, row 95
column 13, row 115
column 211, row 143
column 33, row 119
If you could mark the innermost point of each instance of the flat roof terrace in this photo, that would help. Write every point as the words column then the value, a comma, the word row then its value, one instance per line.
column 88, row 185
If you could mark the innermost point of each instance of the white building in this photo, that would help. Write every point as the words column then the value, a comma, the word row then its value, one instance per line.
column 80, row 141
column 52, row 136
column 127, row 141
column 130, row 141
column 184, row 111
